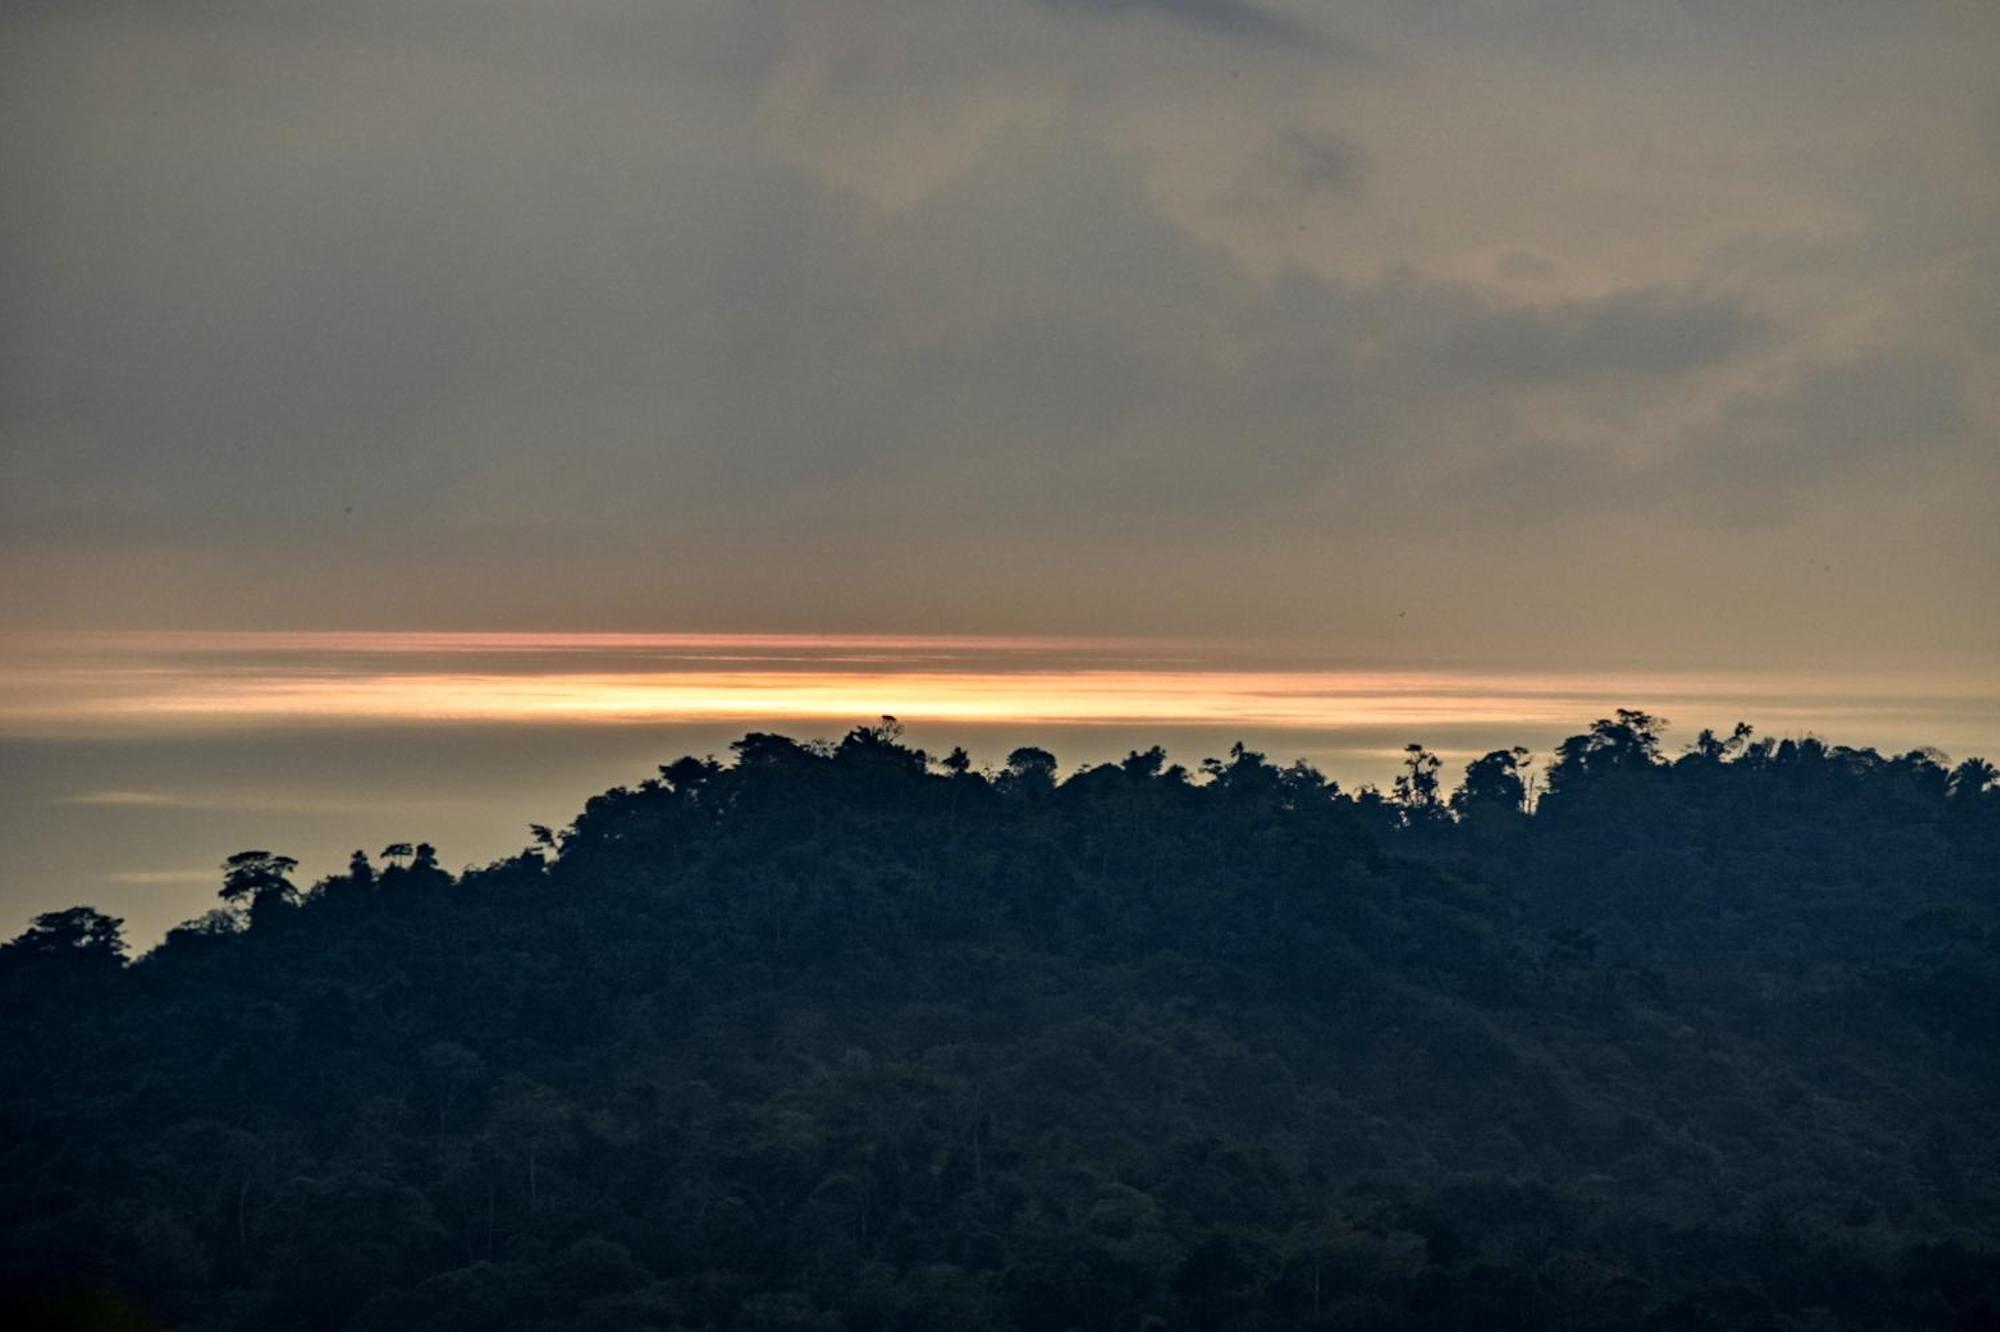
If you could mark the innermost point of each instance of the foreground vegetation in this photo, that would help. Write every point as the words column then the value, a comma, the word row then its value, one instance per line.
column 841, row 1036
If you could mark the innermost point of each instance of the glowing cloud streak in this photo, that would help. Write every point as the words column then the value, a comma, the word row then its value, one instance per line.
column 125, row 682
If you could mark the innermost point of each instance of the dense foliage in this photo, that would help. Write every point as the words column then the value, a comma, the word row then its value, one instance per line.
column 840, row 1036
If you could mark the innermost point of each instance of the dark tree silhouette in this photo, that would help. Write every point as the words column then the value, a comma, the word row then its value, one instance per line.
column 1972, row 779
column 1150, row 763
column 79, row 933
column 1244, row 775
column 258, row 880
column 1030, row 771
column 1711, row 748
column 687, row 774
column 1418, row 788
column 1493, row 785
column 1629, row 742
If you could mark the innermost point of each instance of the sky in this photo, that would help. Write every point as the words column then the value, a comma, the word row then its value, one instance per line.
column 1488, row 340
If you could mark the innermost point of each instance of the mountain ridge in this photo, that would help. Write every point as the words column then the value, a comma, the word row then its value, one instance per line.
column 839, row 1035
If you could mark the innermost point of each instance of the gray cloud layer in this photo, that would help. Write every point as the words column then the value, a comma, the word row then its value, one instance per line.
column 1140, row 314
column 1231, row 18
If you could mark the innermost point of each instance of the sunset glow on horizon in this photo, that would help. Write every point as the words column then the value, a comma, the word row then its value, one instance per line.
column 56, row 684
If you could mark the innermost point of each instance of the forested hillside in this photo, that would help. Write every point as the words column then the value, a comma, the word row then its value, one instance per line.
column 842, row 1036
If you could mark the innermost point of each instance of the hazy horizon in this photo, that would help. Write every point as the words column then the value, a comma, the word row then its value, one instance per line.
column 137, row 761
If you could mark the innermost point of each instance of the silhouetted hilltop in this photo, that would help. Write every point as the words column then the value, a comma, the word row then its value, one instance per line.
column 844, row 1036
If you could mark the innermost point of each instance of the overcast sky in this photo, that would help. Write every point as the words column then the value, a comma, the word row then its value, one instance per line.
column 1663, row 332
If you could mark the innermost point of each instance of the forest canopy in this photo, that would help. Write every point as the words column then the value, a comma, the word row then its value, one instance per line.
column 843, row 1035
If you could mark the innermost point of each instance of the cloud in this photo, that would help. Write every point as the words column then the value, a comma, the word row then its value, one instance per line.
column 1878, row 414
column 1228, row 18
column 123, row 799
column 858, row 313
column 1316, row 162
column 1637, row 331
column 163, row 878
column 1766, row 457
column 1526, row 266
column 235, row 802
column 1877, row 404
